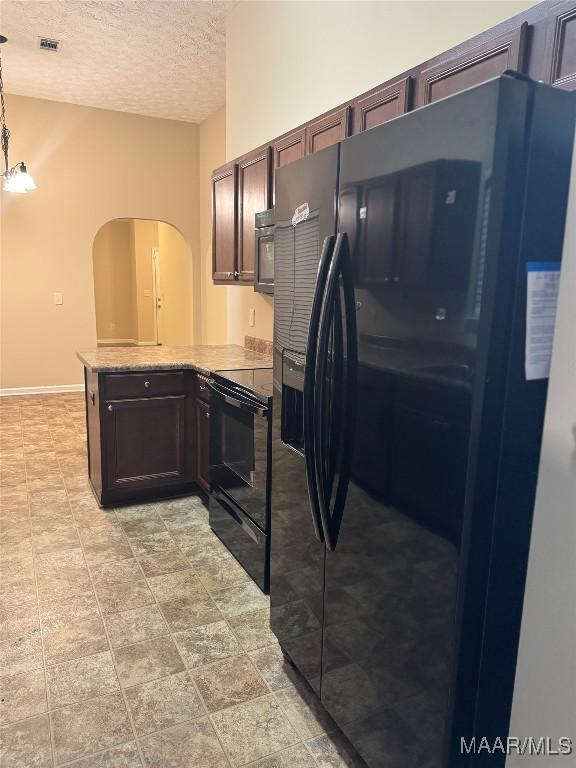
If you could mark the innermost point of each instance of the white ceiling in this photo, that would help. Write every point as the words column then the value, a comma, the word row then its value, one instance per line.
column 164, row 58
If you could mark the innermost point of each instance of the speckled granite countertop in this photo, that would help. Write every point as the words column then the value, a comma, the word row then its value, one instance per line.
column 203, row 358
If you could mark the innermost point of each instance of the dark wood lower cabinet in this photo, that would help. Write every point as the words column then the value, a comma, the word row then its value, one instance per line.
column 145, row 447
column 203, row 443
column 145, row 443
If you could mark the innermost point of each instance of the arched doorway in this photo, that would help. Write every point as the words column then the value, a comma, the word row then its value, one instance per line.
column 142, row 284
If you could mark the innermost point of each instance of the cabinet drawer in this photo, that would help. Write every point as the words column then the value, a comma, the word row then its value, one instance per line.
column 122, row 385
column 202, row 389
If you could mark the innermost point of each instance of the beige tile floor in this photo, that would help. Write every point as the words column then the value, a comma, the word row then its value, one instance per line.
column 131, row 637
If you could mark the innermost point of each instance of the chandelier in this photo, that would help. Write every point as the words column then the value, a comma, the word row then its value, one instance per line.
column 16, row 178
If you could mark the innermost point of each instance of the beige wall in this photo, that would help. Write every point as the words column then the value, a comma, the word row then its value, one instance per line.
column 545, row 691
column 214, row 297
column 317, row 55
column 91, row 166
column 114, row 289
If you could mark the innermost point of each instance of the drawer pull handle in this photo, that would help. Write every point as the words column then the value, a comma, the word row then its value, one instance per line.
column 146, row 384
column 110, row 408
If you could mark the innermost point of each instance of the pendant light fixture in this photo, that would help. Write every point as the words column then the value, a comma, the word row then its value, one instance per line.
column 16, row 179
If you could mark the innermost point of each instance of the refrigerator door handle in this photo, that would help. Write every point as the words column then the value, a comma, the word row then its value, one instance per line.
column 340, row 277
column 310, row 384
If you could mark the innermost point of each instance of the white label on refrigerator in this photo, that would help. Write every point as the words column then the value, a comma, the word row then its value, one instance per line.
column 300, row 214
column 542, row 297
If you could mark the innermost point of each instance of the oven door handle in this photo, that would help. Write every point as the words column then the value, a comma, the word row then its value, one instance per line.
column 236, row 400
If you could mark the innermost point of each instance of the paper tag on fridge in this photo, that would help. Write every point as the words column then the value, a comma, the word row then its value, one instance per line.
column 542, row 297
column 300, row 214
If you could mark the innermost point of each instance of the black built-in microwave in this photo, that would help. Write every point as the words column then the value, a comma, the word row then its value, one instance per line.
column 264, row 256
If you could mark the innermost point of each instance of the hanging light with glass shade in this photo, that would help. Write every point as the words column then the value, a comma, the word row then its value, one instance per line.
column 16, row 178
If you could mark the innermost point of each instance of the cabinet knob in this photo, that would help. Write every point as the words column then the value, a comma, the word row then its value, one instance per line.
column 229, row 274
column 396, row 279
column 110, row 408
column 146, row 384
column 207, row 415
column 236, row 275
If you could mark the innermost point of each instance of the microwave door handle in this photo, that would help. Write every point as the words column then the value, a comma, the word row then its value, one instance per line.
column 236, row 400
column 310, row 385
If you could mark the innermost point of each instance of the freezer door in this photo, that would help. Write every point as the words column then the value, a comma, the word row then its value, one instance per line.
column 305, row 222
column 417, row 207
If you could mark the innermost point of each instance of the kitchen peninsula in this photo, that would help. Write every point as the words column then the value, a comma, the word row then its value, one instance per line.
column 147, row 416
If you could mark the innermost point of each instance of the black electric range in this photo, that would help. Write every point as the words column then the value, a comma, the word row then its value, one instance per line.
column 240, row 466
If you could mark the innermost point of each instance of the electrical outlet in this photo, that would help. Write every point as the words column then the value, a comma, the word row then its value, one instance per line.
column 58, row 299
column 251, row 317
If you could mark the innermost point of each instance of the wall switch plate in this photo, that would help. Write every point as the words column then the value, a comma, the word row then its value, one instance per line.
column 58, row 299
column 251, row 317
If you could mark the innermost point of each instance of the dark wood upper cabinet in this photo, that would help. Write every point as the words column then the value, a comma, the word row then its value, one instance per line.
column 328, row 130
column 562, row 49
column 290, row 148
column 382, row 104
column 490, row 59
column 254, row 172
column 224, row 222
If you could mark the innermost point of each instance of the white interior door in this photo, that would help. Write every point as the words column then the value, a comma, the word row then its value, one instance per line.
column 157, row 283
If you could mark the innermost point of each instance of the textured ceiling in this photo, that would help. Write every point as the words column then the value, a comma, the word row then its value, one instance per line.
column 164, row 58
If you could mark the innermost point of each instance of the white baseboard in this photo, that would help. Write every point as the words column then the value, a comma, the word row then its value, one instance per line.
column 55, row 389
column 116, row 342
column 125, row 342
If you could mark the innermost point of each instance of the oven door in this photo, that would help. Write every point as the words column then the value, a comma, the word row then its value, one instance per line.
column 239, row 449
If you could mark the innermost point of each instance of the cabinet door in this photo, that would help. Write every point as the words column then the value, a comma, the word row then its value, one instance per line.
column 328, row 130
column 382, row 104
column 203, row 444
column 561, row 54
column 290, row 148
column 224, row 223
column 477, row 65
column 253, row 197
column 144, row 443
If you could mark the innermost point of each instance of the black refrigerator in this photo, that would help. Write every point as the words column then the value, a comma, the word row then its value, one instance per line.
column 407, row 422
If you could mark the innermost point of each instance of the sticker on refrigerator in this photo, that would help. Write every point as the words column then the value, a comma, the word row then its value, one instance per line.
column 300, row 214
column 541, row 300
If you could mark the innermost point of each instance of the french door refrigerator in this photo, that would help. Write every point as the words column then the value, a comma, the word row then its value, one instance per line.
column 407, row 424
